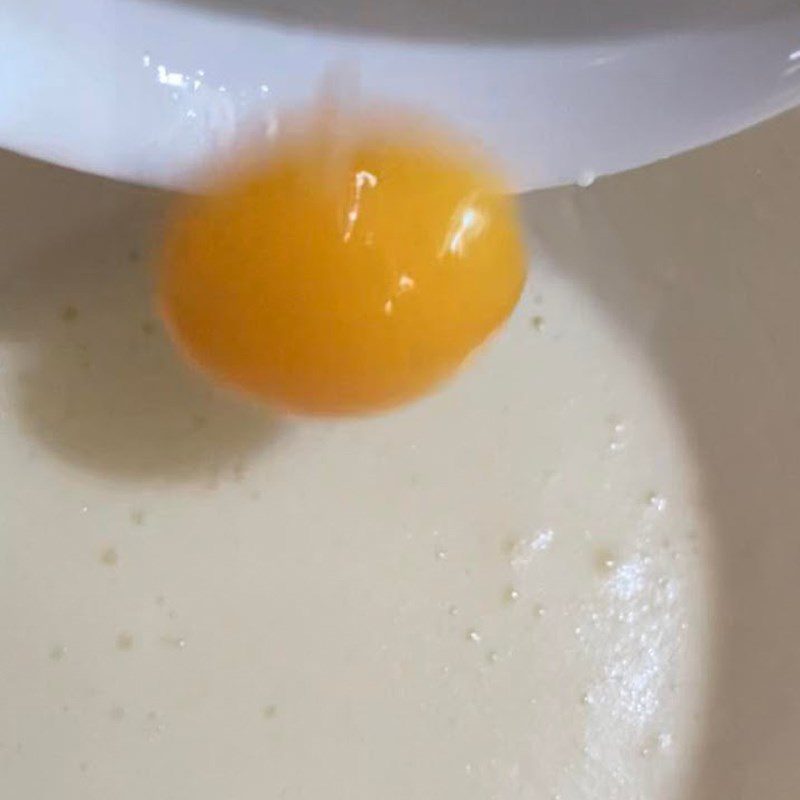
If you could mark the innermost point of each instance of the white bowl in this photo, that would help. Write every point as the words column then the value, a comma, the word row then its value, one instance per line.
column 559, row 92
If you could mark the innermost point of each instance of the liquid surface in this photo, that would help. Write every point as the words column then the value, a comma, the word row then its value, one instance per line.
column 343, row 278
column 497, row 592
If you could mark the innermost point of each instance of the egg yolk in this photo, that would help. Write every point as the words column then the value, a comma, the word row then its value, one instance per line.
column 346, row 282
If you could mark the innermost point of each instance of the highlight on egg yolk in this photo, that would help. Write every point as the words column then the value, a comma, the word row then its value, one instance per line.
column 343, row 284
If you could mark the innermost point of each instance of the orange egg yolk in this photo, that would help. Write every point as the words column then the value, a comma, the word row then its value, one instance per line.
column 343, row 285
